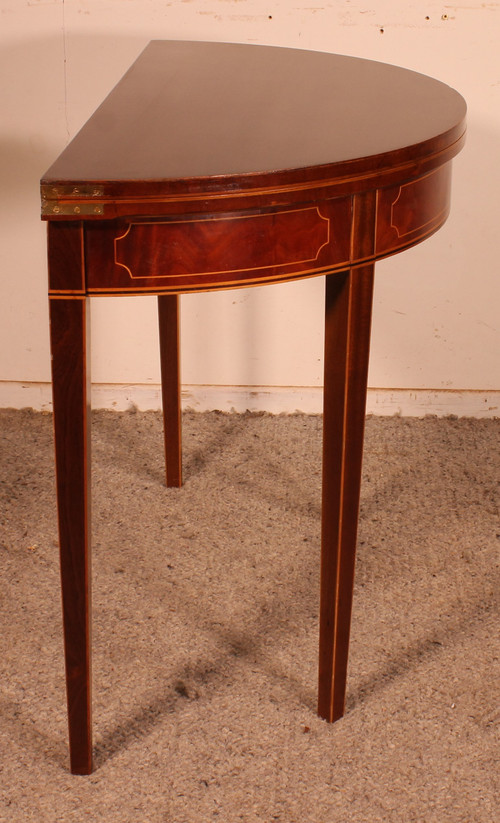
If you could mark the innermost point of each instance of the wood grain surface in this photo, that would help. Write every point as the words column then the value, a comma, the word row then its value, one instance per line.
column 191, row 110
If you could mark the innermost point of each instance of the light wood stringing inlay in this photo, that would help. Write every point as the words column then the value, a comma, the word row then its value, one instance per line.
column 204, row 233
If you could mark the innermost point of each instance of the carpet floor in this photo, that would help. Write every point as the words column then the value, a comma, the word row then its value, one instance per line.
column 205, row 625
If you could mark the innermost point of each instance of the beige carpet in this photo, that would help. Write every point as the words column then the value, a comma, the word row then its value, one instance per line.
column 205, row 627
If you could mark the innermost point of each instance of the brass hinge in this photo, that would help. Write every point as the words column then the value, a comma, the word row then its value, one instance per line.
column 71, row 200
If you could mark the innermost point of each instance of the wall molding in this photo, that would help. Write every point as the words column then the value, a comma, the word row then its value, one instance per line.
column 273, row 399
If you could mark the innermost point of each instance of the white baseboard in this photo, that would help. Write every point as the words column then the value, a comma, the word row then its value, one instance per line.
column 273, row 399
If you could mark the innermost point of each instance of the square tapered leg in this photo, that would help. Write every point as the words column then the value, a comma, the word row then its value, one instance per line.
column 347, row 340
column 69, row 340
column 168, row 316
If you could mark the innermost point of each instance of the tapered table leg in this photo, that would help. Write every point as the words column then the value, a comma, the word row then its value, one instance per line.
column 347, row 341
column 168, row 316
column 69, row 339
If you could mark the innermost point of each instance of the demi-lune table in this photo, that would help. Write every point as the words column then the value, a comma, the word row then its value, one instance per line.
column 217, row 166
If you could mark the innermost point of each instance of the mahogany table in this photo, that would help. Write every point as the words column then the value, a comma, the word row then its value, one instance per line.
column 214, row 166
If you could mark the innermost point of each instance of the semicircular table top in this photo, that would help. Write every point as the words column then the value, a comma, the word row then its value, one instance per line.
column 188, row 111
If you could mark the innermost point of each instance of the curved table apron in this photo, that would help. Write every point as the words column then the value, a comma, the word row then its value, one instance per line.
column 214, row 166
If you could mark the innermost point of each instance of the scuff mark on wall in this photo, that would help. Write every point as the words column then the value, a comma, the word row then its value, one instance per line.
column 486, row 6
column 210, row 14
column 247, row 18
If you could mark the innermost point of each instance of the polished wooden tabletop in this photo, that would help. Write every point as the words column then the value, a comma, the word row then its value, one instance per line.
column 197, row 116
